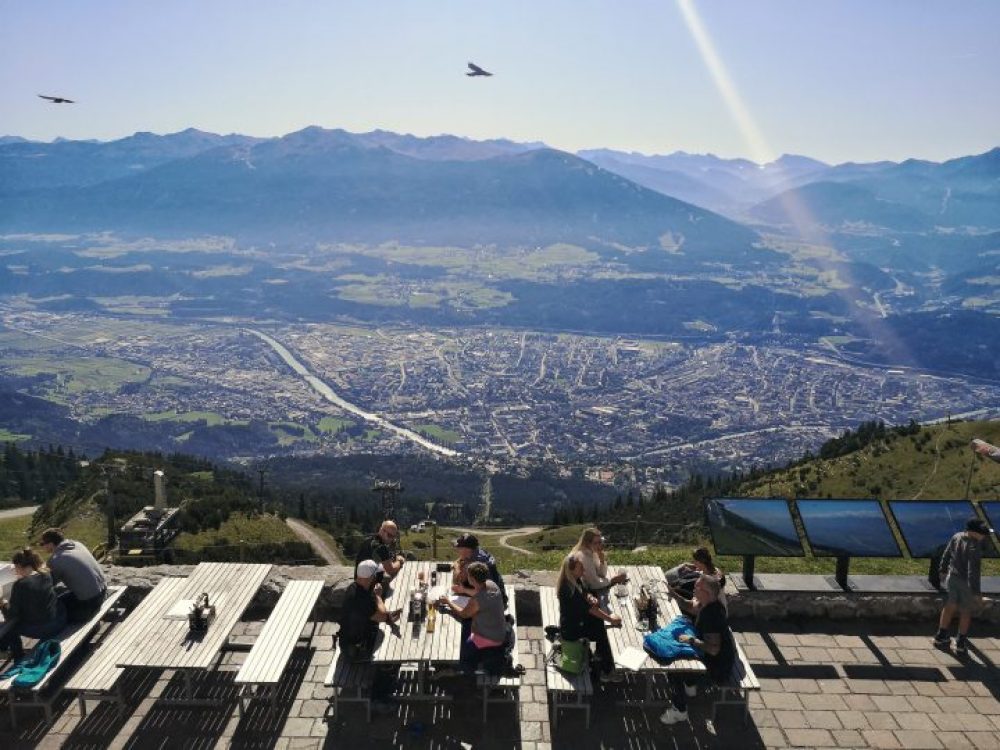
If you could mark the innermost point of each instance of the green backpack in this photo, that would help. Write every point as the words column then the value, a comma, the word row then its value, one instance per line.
column 572, row 659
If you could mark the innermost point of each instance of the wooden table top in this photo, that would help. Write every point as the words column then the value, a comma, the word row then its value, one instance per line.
column 629, row 635
column 168, row 643
column 409, row 641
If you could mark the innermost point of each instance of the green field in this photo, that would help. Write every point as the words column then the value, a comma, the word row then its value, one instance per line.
column 291, row 432
column 13, row 536
column 74, row 375
column 239, row 529
column 332, row 425
column 87, row 525
column 440, row 434
column 210, row 418
column 6, row 436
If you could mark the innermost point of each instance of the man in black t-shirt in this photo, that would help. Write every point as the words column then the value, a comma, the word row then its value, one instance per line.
column 363, row 609
column 379, row 547
column 713, row 640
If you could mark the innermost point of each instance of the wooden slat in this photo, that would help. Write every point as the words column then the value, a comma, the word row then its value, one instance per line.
column 410, row 642
column 74, row 636
column 742, row 672
column 169, row 644
column 555, row 679
column 629, row 635
column 273, row 647
column 100, row 672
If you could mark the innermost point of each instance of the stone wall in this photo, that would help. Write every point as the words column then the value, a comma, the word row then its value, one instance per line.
column 745, row 605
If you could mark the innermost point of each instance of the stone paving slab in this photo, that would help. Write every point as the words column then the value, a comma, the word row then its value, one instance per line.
column 854, row 685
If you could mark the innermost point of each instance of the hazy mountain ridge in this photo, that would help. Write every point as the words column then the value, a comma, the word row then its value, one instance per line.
column 320, row 184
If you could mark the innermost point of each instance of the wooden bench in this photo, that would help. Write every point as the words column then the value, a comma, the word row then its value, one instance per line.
column 264, row 665
column 566, row 690
column 351, row 682
column 71, row 639
column 97, row 678
column 507, row 685
column 741, row 681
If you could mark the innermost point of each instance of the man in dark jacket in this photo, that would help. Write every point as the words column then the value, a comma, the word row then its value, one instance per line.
column 380, row 547
column 960, row 572
column 469, row 552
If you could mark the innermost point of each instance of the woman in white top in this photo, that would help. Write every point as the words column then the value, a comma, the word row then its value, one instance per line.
column 595, row 563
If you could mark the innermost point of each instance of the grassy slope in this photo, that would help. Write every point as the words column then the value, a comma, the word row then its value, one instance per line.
column 257, row 530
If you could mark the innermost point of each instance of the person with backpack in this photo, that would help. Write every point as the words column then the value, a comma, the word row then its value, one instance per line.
column 961, row 566
column 34, row 607
column 581, row 616
column 485, row 610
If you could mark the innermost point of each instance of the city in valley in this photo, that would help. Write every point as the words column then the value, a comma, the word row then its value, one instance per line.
column 593, row 405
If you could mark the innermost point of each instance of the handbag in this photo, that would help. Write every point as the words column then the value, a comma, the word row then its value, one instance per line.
column 572, row 658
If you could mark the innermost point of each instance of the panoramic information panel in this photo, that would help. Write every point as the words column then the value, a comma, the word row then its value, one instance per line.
column 741, row 526
column 927, row 526
column 992, row 511
column 847, row 528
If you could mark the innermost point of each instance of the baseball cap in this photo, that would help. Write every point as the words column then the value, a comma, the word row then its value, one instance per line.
column 978, row 525
column 367, row 568
column 468, row 541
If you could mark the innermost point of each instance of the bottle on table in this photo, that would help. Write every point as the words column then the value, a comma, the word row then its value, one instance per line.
column 432, row 618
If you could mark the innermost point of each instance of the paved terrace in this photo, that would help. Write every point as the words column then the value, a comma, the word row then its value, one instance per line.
column 858, row 684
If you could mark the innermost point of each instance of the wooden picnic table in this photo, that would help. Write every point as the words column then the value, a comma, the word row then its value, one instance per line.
column 408, row 642
column 631, row 633
column 165, row 643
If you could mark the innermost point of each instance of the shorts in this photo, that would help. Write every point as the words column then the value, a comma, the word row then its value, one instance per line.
column 960, row 593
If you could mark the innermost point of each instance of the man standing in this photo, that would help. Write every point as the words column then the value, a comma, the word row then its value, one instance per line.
column 960, row 570
column 379, row 547
column 72, row 565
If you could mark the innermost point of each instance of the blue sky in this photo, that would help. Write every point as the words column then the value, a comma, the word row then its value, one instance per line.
column 838, row 80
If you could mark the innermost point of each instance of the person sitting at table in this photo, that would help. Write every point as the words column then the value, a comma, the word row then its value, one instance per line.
column 73, row 567
column 595, row 565
column 713, row 640
column 469, row 551
column 33, row 606
column 581, row 616
column 485, row 610
column 380, row 548
column 683, row 577
column 362, row 611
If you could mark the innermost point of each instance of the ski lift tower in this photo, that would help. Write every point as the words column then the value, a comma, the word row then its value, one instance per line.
column 388, row 491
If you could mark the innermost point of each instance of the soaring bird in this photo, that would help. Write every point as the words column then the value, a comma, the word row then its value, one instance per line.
column 57, row 99
column 477, row 71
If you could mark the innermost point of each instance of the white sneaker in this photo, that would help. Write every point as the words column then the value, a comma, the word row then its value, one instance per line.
column 691, row 690
column 672, row 716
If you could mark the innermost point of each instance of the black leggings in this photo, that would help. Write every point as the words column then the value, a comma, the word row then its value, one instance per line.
column 595, row 631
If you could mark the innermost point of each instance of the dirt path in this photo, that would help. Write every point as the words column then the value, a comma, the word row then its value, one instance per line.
column 504, row 535
column 26, row 510
column 323, row 548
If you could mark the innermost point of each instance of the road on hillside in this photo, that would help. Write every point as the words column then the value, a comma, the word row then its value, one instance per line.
column 323, row 549
column 504, row 535
column 26, row 510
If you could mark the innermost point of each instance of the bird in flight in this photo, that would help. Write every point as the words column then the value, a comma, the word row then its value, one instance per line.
column 57, row 99
column 475, row 70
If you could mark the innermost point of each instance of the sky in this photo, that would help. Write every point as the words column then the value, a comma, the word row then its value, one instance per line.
column 837, row 80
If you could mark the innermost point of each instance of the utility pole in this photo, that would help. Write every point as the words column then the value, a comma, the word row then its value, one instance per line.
column 434, row 539
column 635, row 533
column 388, row 492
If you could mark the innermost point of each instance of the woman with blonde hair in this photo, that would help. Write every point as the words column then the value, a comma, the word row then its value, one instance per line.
column 595, row 562
column 581, row 616
column 33, row 605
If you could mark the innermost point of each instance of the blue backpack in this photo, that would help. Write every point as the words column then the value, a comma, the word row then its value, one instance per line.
column 30, row 670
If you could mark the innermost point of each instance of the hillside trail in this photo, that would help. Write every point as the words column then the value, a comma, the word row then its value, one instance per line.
column 937, row 461
column 306, row 534
column 505, row 534
column 26, row 510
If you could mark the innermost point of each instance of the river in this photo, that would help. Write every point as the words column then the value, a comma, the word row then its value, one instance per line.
column 330, row 395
